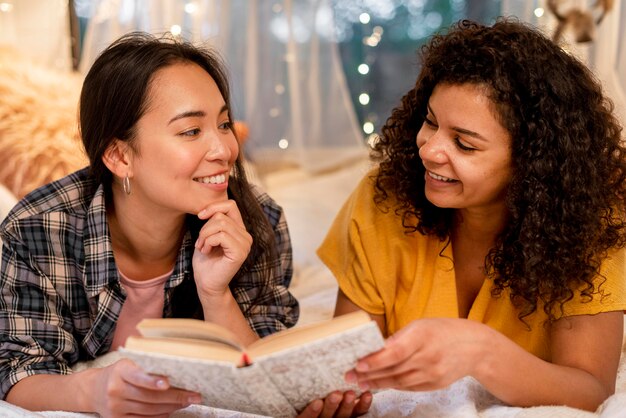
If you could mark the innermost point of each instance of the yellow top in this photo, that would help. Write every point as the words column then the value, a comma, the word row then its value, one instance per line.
column 386, row 271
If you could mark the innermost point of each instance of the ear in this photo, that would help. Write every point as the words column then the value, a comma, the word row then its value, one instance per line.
column 117, row 158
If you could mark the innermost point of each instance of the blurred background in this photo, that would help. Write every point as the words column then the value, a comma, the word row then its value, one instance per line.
column 314, row 80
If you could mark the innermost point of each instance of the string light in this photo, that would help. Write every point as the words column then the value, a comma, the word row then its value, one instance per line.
column 176, row 30
column 6, row 7
column 364, row 18
column 191, row 8
column 539, row 12
column 363, row 69
column 364, row 98
column 368, row 127
column 283, row 143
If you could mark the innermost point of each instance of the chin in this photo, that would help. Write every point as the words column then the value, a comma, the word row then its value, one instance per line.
column 438, row 201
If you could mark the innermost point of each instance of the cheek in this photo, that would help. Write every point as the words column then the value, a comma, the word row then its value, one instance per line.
column 233, row 147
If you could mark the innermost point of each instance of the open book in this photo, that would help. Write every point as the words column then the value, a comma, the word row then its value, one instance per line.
column 276, row 376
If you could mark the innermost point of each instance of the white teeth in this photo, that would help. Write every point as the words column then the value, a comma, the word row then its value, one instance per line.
column 219, row 179
column 440, row 178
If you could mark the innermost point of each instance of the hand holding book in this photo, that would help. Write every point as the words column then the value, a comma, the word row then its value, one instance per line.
column 277, row 375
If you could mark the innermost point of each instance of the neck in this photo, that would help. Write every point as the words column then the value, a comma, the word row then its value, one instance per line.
column 145, row 242
column 480, row 226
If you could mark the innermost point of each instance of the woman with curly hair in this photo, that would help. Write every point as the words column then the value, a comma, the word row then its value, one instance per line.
column 489, row 240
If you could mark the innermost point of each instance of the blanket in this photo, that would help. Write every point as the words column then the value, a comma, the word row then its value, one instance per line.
column 465, row 398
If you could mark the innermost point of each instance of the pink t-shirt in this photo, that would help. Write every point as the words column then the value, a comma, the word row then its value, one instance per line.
column 144, row 299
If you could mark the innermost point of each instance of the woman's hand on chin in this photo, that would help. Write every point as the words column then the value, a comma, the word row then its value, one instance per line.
column 222, row 247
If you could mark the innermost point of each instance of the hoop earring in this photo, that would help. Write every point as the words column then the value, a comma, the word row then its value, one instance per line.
column 126, row 185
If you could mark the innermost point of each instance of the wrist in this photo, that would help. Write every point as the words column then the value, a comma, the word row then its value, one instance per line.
column 86, row 383
column 484, row 355
column 216, row 302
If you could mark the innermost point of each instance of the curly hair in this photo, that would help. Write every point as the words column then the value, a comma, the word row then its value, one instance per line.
column 566, row 197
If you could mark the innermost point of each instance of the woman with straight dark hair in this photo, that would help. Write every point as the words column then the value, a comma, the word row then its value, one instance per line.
column 489, row 240
column 163, row 223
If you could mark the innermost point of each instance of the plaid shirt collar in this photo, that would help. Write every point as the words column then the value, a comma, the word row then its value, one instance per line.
column 100, row 268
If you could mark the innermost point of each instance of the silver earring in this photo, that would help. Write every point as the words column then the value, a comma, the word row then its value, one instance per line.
column 126, row 184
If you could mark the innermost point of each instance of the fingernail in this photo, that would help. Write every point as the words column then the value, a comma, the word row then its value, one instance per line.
column 162, row 384
column 349, row 397
column 202, row 213
column 364, row 386
column 362, row 367
column 194, row 399
column 334, row 398
column 367, row 397
column 317, row 405
column 350, row 377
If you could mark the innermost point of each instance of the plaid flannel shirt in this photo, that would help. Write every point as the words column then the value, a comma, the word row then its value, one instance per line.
column 61, row 295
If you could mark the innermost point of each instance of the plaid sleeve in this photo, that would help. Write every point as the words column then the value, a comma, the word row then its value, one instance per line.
column 32, row 338
column 276, row 309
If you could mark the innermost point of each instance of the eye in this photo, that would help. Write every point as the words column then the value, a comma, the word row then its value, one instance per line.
column 429, row 122
column 228, row 125
column 461, row 145
column 191, row 132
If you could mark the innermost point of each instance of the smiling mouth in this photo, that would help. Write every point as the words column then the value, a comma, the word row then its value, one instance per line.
column 440, row 178
column 219, row 179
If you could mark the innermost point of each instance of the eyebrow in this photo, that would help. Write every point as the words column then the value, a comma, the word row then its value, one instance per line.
column 194, row 114
column 461, row 130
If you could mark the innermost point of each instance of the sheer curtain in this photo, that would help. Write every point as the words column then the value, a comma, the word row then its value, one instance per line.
column 608, row 58
column 605, row 56
column 39, row 30
column 286, row 75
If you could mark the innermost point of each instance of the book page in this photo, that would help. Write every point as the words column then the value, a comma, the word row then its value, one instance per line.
column 222, row 385
column 189, row 329
column 198, row 349
column 305, row 334
column 314, row 370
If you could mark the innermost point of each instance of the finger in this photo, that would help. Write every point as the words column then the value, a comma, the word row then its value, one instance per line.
column 397, row 381
column 134, row 375
column 172, row 396
column 408, row 366
column 363, row 404
column 347, row 405
column 233, row 248
column 149, row 409
column 151, row 416
column 228, row 208
column 221, row 228
column 221, row 222
column 312, row 410
column 331, row 404
column 398, row 349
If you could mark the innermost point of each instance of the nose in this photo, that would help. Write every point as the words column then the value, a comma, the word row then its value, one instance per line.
column 432, row 148
column 219, row 147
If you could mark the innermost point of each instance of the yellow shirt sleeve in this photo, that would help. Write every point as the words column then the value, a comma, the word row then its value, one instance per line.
column 610, row 288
